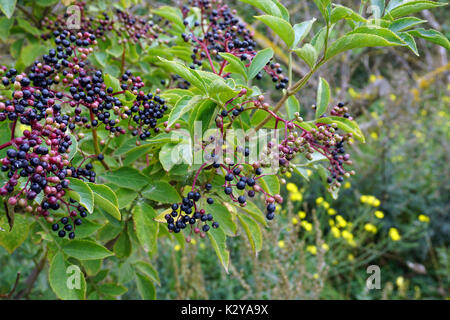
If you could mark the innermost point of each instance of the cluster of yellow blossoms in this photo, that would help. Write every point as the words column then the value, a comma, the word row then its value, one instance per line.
column 370, row 200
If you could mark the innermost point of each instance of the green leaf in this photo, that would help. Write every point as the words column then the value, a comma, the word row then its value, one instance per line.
column 106, row 199
column 145, row 226
column 185, row 104
column 112, row 289
column 323, row 97
column 81, row 192
column 85, row 250
column 324, row 7
column 219, row 243
column 220, row 91
column 268, row 6
column 235, row 65
column 432, row 36
column 409, row 40
column 145, row 287
column 11, row 240
column 172, row 14
column 63, row 279
column 259, row 61
column 224, row 217
column 253, row 232
column 127, row 177
column 364, row 39
column 281, row 27
column 73, row 147
column 161, row 191
column 345, row 125
column 184, row 72
column 7, row 7
column 301, row 30
column 147, row 269
column 112, row 82
column 125, row 197
column 340, row 12
column 122, row 248
column 410, row 7
column 270, row 184
column 5, row 26
column 26, row 26
column 405, row 23
column 292, row 106
column 31, row 52
column 308, row 54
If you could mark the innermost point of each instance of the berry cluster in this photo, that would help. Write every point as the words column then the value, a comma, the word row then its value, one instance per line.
column 187, row 213
column 127, row 27
column 224, row 33
column 60, row 93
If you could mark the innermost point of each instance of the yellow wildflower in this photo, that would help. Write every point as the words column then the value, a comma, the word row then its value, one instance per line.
column 336, row 232
column 302, row 214
column 316, row 276
column 424, row 218
column 193, row 241
column 281, row 244
column 311, row 249
column 351, row 257
column 296, row 196
column 370, row 228
column 340, row 221
column 374, row 135
column 326, row 205
column 291, row 187
column 177, row 247
column 372, row 78
column 393, row 97
column 379, row 214
column 288, row 175
column 331, row 212
column 347, row 185
column 347, row 235
column 325, row 247
column 331, row 222
column 294, row 221
column 400, row 282
column 394, row 234
column 306, row 225
column 319, row 201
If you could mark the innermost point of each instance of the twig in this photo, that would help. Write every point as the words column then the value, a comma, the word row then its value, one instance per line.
column 16, row 283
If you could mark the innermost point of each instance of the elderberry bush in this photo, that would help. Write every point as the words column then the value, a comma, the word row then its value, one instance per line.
column 122, row 125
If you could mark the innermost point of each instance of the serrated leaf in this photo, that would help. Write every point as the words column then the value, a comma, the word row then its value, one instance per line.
column 112, row 82
column 85, row 250
column 259, row 61
column 112, row 289
column 409, row 40
column 218, row 241
column 323, row 97
column 308, row 54
column 106, row 199
column 281, row 27
column 301, row 30
column 405, row 23
column 410, row 7
column 64, row 280
column 267, row 6
column 345, row 125
column 172, row 14
column 270, row 184
column 161, row 191
column 81, row 192
column 432, row 36
column 127, row 177
column 11, row 240
column 340, row 12
column 145, row 226
column 185, row 104
column 145, row 287
column 224, row 217
column 147, row 269
column 235, row 65
column 7, row 7
column 253, row 232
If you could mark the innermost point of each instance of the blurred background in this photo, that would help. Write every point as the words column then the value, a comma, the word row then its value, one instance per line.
column 392, row 214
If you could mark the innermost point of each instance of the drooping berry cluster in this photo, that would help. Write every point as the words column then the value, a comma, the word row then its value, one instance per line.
column 188, row 213
column 127, row 27
column 62, row 93
column 223, row 33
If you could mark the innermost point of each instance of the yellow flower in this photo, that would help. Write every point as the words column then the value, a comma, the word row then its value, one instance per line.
column 372, row 78
column 394, row 234
column 302, row 214
column 296, row 196
column 193, row 241
column 347, row 185
column 306, row 225
column 336, row 232
column 331, row 212
column 374, row 135
column 340, row 221
column 352, row 93
column 379, row 214
column 319, row 200
column 424, row 218
column 177, row 247
column 202, row 245
column 291, row 187
column 400, row 282
column 326, row 205
column 288, row 175
column 363, row 199
column 294, row 221
column 311, row 249
column 370, row 228
column 331, row 222
column 309, row 172
column 325, row 246
column 316, row 276
column 350, row 257
column 281, row 244
column 393, row 97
